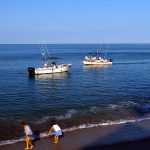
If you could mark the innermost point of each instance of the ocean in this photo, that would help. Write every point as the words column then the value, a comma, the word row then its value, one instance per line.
column 85, row 96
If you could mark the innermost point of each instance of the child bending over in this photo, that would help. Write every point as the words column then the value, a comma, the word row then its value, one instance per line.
column 57, row 131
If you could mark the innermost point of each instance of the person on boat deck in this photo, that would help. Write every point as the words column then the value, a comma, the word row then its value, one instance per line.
column 28, row 132
column 54, row 65
column 45, row 65
column 57, row 131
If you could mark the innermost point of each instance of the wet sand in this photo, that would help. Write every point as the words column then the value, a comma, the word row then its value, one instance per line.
column 114, row 137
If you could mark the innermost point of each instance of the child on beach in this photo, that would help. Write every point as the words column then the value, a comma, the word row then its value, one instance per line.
column 57, row 131
column 28, row 132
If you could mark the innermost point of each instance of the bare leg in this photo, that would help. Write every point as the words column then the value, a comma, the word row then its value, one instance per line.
column 31, row 145
column 56, row 139
column 28, row 143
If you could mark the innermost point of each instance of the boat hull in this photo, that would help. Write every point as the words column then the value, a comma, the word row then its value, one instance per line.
column 96, row 63
column 49, row 70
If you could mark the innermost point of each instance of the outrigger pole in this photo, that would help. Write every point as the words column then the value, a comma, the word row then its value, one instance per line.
column 106, row 51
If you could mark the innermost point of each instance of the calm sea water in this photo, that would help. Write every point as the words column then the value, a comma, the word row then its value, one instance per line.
column 84, row 95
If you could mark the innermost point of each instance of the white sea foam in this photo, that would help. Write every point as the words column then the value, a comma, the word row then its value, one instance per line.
column 67, row 115
column 108, row 123
column 123, row 104
column 11, row 141
column 42, row 120
column 112, row 106
column 19, row 140
column 94, row 109
column 83, row 126
column 128, row 103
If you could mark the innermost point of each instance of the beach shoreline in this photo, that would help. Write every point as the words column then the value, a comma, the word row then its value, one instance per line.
column 119, row 136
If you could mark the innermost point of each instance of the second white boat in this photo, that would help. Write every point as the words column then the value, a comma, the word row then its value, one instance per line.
column 96, row 61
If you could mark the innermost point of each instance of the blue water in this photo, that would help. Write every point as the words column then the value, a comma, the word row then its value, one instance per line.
column 84, row 95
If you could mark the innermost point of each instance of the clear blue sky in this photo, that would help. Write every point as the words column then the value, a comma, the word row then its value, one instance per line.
column 75, row 21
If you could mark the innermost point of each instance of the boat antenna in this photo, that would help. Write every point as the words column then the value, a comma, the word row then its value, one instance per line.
column 106, row 51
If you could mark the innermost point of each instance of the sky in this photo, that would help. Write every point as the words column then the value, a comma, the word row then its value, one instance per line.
column 74, row 21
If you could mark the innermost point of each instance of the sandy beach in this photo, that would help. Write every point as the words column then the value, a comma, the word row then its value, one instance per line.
column 134, row 135
column 45, row 145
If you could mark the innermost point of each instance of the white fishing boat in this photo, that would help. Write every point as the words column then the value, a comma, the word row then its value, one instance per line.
column 52, row 76
column 95, row 58
column 96, row 66
column 49, row 66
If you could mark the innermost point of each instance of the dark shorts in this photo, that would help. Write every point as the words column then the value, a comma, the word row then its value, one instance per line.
column 58, row 133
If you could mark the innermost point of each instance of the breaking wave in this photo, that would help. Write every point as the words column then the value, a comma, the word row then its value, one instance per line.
column 83, row 126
